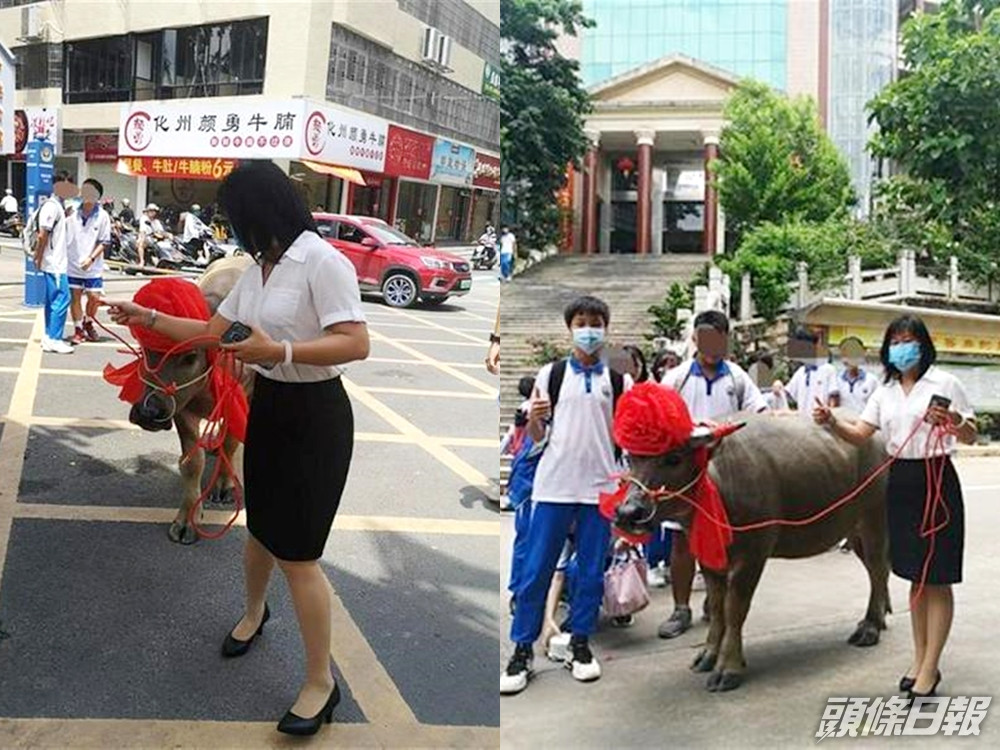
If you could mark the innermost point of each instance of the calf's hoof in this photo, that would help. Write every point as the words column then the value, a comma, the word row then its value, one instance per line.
column 182, row 533
column 704, row 662
column 866, row 634
column 720, row 682
column 221, row 496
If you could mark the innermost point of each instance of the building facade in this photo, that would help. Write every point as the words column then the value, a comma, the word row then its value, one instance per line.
column 416, row 70
column 666, row 67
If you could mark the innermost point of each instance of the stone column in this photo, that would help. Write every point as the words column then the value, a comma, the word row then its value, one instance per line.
column 709, row 235
column 644, row 139
column 590, row 161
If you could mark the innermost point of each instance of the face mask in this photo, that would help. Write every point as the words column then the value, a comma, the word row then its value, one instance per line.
column 904, row 356
column 588, row 340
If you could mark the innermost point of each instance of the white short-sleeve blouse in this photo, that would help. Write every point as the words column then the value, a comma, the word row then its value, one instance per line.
column 312, row 287
column 897, row 414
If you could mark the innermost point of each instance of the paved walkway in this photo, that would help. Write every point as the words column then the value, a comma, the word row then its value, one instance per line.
column 796, row 648
column 109, row 633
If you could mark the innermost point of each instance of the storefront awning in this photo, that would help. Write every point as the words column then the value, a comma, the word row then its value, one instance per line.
column 344, row 173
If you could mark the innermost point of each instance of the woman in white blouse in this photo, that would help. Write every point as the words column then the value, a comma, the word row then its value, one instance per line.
column 900, row 406
column 302, row 304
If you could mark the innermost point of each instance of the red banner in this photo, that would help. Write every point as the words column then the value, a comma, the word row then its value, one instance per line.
column 408, row 154
column 101, row 147
column 487, row 173
column 183, row 169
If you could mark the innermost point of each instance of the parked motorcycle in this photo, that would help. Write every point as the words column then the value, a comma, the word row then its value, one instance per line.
column 12, row 226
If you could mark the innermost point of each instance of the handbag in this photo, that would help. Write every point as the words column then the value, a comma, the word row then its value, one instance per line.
column 625, row 590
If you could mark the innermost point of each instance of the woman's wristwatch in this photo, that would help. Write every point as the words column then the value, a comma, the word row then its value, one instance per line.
column 494, row 338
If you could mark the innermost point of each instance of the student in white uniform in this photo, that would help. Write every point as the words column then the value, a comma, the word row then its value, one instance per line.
column 856, row 384
column 711, row 386
column 51, row 258
column 575, row 468
column 90, row 233
column 902, row 404
column 815, row 378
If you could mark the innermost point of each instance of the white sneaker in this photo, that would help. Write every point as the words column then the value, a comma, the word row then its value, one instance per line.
column 515, row 677
column 657, row 577
column 558, row 649
column 584, row 664
column 56, row 347
column 699, row 582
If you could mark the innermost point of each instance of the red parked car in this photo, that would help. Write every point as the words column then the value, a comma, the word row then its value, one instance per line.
column 398, row 267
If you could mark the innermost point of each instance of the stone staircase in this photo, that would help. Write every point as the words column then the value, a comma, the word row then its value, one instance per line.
column 531, row 308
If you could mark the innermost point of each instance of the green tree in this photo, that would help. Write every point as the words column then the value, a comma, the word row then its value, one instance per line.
column 939, row 122
column 770, row 253
column 542, row 105
column 776, row 164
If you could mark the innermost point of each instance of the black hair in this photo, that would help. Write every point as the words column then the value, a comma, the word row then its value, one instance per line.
column 525, row 386
column 804, row 334
column 639, row 359
column 587, row 305
column 764, row 357
column 660, row 363
column 713, row 318
column 63, row 175
column 264, row 208
column 914, row 325
column 96, row 185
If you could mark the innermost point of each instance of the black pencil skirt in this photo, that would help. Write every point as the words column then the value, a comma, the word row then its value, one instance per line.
column 298, row 449
column 906, row 501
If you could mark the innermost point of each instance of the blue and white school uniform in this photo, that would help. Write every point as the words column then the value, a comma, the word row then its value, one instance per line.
column 576, row 467
column 811, row 382
column 713, row 398
column 855, row 392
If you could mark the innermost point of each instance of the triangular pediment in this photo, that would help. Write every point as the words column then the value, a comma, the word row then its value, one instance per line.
column 674, row 78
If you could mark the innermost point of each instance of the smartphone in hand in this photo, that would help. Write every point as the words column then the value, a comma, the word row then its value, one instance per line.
column 943, row 401
column 236, row 333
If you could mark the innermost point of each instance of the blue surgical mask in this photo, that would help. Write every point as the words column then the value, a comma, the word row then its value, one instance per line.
column 589, row 340
column 904, row 356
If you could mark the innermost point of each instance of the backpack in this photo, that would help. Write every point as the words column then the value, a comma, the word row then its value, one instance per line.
column 521, row 481
column 29, row 235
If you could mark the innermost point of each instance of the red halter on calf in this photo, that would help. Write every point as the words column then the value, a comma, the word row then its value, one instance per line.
column 183, row 299
column 651, row 421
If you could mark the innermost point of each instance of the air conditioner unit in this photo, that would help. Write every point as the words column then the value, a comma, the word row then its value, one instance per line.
column 443, row 57
column 32, row 26
column 429, row 48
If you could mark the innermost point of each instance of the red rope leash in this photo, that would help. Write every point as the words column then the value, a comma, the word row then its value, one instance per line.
column 216, row 428
column 933, row 500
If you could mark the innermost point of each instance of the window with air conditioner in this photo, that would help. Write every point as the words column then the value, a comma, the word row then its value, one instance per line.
column 429, row 49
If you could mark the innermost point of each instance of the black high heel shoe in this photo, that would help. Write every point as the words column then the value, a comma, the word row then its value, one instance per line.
column 232, row 647
column 906, row 683
column 911, row 693
column 292, row 724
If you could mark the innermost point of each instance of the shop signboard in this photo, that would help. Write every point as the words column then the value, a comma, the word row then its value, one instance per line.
column 203, row 128
column 487, row 173
column 101, row 148
column 344, row 136
column 408, row 154
column 7, row 139
column 453, row 163
column 281, row 129
column 182, row 169
column 491, row 81
column 36, row 122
